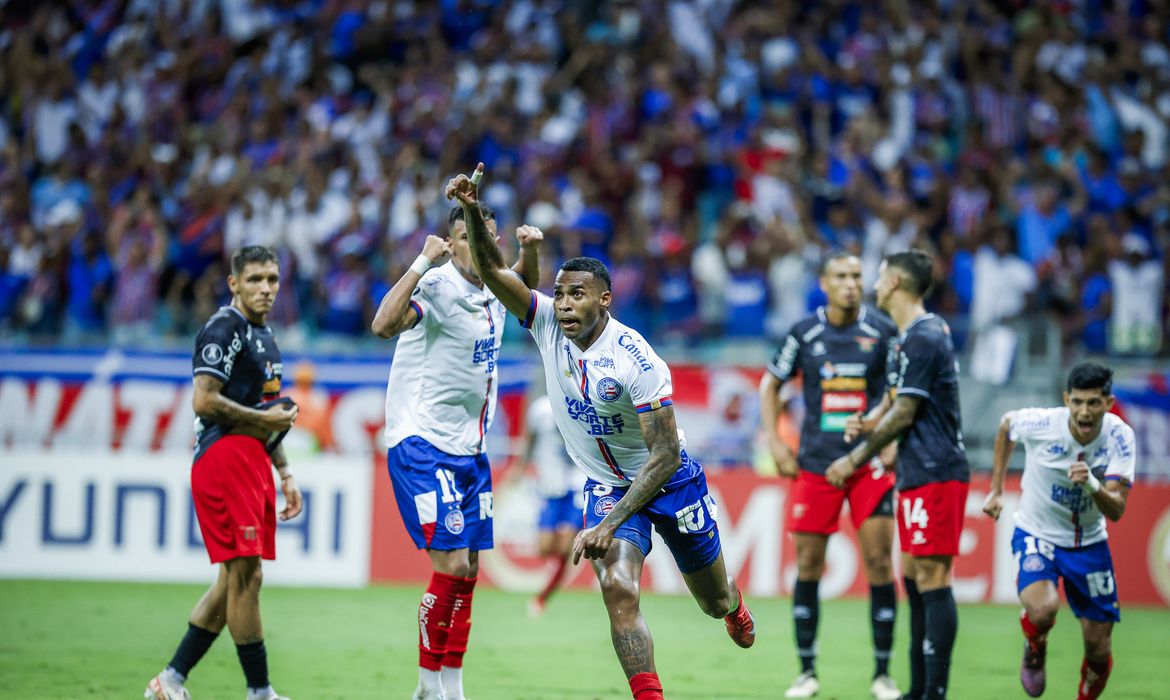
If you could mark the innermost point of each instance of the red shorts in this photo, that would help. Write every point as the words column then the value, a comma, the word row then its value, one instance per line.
column 930, row 518
column 814, row 505
column 235, row 499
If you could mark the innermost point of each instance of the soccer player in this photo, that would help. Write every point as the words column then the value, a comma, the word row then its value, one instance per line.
column 841, row 353
column 559, row 484
column 611, row 397
column 440, row 401
column 236, row 367
column 922, row 410
column 1078, row 470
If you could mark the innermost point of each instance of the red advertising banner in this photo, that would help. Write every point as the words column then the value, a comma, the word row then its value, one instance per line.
column 762, row 558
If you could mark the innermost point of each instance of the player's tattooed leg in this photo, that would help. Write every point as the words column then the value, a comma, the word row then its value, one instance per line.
column 634, row 648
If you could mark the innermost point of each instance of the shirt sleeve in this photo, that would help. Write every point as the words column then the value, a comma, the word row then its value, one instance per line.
column 1122, row 454
column 920, row 361
column 783, row 365
column 216, row 347
column 1027, row 423
column 540, row 320
column 649, row 379
column 427, row 300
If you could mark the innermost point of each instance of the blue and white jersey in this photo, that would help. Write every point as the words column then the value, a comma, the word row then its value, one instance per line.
column 598, row 393
column 442, row 385
column 1052, row 507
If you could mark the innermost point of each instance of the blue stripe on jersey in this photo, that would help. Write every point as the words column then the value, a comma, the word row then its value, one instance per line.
column 526, row 322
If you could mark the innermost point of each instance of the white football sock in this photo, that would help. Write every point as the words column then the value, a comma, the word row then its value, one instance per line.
column 429, row 680
column 172, row 677
column 452, row 683
column 261, row 693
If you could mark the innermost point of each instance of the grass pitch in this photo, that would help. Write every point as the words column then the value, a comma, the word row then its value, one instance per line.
column 106, row 640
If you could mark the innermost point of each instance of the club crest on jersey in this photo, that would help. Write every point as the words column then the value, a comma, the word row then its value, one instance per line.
column 865, row 343
column 818, row 349
column 212, row 354
column 608, row 389
column 454, row 522
column 604, row 505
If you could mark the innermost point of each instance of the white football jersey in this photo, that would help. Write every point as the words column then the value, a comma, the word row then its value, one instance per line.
column 555, row 473
column 442, row 385
column 1052, row 507
column 597, row 394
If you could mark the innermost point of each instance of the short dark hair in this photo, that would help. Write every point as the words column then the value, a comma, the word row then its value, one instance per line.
column 1090, row 375
column 918, row 266
column 838, row 254
column 456, row 214
column 590, row 265
column 252, row 254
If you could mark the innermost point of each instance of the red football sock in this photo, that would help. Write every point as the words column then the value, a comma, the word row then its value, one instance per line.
column 555, row 580
column 460, row 623
column 646, row 686
column 1093, row 677
column 1037, row 636
column 434, row 620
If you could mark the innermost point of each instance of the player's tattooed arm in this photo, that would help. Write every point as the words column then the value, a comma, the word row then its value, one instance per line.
column 395, row 314
column 508, row 286
column 210, row 404
column 1004, row 446
column 896, row 420
column 660, row 431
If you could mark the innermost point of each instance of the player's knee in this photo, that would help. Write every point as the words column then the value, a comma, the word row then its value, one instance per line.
column 716, row 605
column 1098, row 646
column 1043, row 614
column 879, row 566
column 245, row 574
column 810, row 566
column 619, row 589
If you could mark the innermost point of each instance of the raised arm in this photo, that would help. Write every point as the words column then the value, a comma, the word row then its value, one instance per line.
column 506, row 284
column 1004, row 445
column 395, row 314
column 660, row 432
column 528, row 266
column 891, row 425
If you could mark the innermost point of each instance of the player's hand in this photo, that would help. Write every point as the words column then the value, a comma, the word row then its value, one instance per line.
column 782, row 456
column 279, row 417
column 463, row 188
column 1078, row 472
column 593, row 543
column 854, row 426
column 839, row 472
column 436, row 248
column 529, row 236
column 993, row 505
column 293, row 503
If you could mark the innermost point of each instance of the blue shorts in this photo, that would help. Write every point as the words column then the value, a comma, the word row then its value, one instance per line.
column 445, row 500
column 683, row 514
column 561, row 512
column 1087, row 571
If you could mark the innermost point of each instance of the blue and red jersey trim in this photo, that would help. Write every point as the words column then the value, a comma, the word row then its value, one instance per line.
column 526, row 322
column 655, row 404
column 418, row 310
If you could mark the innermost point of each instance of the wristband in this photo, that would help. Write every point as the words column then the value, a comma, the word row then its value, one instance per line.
column 286, row 476
column 1092, row 485
column 476, row 177
column 420, row 265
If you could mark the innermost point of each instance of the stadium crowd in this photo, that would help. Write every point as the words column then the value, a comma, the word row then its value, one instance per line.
column 709, row 151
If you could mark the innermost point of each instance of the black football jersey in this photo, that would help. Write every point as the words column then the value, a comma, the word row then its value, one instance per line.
column 245, row 357
column 922, row 363
column 844, row 371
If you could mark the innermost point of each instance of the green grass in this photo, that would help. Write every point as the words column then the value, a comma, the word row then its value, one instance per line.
column 104, row 640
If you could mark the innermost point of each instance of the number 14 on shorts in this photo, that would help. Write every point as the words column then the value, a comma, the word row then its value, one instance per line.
column 914, row 514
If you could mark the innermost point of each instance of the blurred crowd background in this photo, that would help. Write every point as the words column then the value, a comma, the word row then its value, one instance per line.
column 710, row 151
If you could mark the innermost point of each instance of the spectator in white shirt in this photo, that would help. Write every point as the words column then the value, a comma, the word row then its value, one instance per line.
column 1136, row 325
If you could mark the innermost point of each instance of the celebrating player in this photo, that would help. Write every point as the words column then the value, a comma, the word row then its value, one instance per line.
column 612, row 402
column 435, row 427
column 559, row 483
column 841, row 353
column 1078, row 471
column 236, row 366
column 932, row 467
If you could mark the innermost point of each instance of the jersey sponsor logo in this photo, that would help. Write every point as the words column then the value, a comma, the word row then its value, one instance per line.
column 485, row 351
column 1123, row 443
column 786, row 358
column 865, row 343
column 842, row 369
column 626, row 342
column 844, row 384
column 233, row 350
column 852, row 401
column 604, row 505
column 609, row 389
column 212, row 354
column 834, row 422
column 598, row 425
column 454, row 522
column 1072, row 497
column 606, row 362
